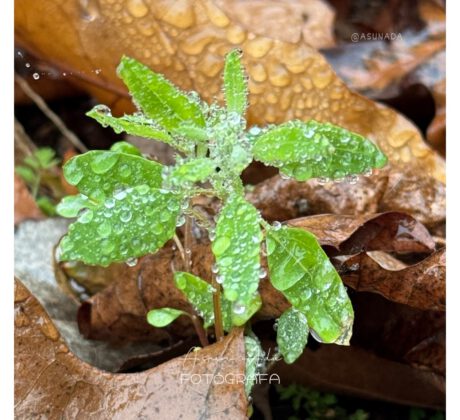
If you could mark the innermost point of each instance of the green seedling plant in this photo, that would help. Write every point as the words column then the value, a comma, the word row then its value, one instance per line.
column 38, row 171
column 130, row 206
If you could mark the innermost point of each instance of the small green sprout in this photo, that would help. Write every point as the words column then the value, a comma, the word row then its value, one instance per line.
column 38, row 170
column 130, row 206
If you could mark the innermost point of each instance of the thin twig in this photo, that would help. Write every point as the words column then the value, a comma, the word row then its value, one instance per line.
column 22, row 142
column 41, row 104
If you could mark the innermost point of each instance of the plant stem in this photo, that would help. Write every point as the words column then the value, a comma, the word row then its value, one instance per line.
column 219, row 329
column 179, row 247
column 187, row 242
column 200, row 331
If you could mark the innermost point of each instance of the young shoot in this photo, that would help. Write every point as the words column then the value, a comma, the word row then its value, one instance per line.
column 130, row 206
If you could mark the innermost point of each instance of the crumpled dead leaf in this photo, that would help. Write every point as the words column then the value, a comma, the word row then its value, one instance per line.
column 186, row 41
column 421, row 285
column 118, row 312
column 394, row 189
column 50, row 382
column 391, row 232
column 25, row 206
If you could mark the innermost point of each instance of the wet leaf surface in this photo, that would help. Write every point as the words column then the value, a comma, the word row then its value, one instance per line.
column 422, row 285
column 392, row 189
column 188, row 41
column 51, row 382
column 391, row 232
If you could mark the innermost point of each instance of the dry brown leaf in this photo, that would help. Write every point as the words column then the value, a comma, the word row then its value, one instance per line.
column 394, row 189
column 436, row 133
column 186, row 41
column 118, row 312
column 50, row 382
column 391, row 232
column 357, row 372
column 25, row 206
column 422, row 285
column 286, row 20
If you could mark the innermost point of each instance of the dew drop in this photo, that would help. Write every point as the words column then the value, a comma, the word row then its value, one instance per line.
column 109, row 203
column 85, row 216
column 239, row 309
column 28, row 65
column 89, row 10
column 220, row 245
column 214, row 268
column 262, row 273
column 131, row 262
column 276, row 225
column 220, row 278
column 180, row 220
column 120, row 194
column 103, row 162
column 104, row 229
column 36, row 76
column 125, row 216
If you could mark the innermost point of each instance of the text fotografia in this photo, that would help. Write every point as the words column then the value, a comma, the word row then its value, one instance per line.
column 229, row 378
column 369, row 36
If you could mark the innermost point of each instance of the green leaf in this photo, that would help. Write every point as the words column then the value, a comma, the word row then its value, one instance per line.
column 32, row 161
column 72, row 205
column 158, row 98
column 194, row 170
column 132, row 223
column 162, row 317
column 312, row 149
column 100, row 173
column 137, row 125
column 46, row 157
column 26, row 173
column 235, row 85
column 241, row 316
column 46, row 206
column 199, row 293
column 254, row 357
column 125, row 147
column 192, row 132
column 301, row 270
column 292, row 334
column 237, row 251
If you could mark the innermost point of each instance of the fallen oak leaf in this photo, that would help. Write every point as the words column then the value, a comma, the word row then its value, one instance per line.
column 400, row 189
column 421, row 285
column 51, row 382
column 289, row 21
column 390, row 232
column 188, row 41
